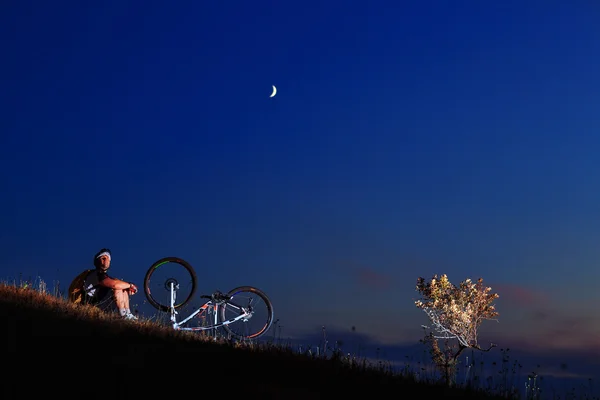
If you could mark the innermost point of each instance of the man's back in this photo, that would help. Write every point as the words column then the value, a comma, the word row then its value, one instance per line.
column 94, row 290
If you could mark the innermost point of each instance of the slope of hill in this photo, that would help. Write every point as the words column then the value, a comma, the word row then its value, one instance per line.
column 51, row 347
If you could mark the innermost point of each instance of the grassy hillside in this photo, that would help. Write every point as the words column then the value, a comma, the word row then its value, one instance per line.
column 51, row 347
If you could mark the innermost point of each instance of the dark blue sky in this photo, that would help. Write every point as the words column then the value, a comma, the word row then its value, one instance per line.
column 405, row 140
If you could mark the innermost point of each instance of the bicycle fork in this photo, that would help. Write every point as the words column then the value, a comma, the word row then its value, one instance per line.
column 172, row 308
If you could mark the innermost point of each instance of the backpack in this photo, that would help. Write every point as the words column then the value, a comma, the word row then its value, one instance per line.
column 76, row 293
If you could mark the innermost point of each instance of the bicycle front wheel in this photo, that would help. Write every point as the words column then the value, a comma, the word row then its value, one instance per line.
column 257, row 303
column 166, row 273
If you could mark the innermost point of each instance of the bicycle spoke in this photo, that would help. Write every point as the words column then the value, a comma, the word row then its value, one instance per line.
column 255, row 307
column 165, row 274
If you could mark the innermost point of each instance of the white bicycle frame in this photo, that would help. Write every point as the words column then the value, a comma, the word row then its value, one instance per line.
column 209, row 307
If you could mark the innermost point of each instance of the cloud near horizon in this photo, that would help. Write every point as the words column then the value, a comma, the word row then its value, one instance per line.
column 366, row 276
column 375, row 278
column 519, row 294
column 536, row 321
column 372, row 278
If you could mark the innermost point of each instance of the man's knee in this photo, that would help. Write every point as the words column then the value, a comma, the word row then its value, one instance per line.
column 120, row 295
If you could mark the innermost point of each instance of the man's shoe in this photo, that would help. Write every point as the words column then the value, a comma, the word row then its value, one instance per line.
column 130, row 316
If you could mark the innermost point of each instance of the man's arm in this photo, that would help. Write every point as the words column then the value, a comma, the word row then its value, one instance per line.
column 113, row 283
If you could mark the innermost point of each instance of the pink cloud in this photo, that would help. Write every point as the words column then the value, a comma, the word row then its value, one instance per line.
column 540, row 316
column 543, row 325
column 373, row 279
column 583, row 343
column 519, row 295
column 366, row 276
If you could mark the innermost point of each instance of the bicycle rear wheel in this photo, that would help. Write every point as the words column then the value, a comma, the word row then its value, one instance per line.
column 261, row 308
column 158, row 279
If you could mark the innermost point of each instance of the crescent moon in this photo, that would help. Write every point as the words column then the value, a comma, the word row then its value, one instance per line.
column 274, row 91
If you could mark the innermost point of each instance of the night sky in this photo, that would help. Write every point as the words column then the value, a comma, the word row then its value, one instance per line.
column 406, row 139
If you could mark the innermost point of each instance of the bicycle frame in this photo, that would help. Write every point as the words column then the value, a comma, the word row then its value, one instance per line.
column 209, row 306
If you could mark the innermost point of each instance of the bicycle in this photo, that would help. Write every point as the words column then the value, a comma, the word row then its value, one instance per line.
column 214, row 312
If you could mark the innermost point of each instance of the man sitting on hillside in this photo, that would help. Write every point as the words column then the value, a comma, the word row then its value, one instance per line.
column 106, row 292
